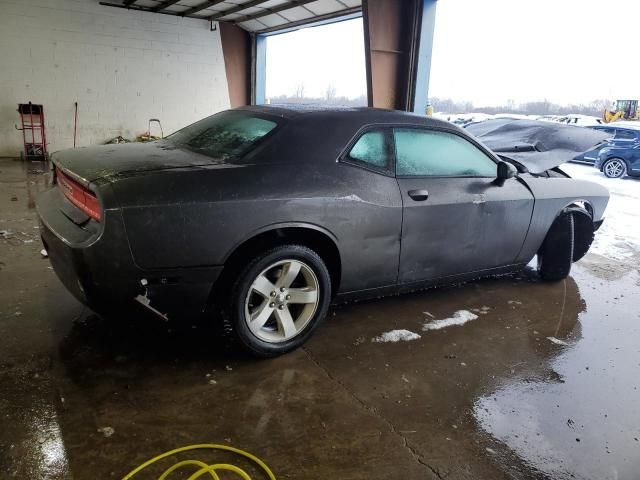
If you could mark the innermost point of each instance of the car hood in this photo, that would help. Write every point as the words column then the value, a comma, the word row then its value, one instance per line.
column 536, row 145
column 89, row 164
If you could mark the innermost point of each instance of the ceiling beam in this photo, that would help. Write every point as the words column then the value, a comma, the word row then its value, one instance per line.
column 272, row 10
column 139, row 8
column 164, row 5
column 201, row 6
column 236, row 9
column 316, row 19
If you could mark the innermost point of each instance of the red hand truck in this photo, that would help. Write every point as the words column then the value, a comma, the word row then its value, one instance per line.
column 33, row 134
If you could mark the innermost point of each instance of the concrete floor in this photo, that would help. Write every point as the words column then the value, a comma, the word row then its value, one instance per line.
column 491, row 399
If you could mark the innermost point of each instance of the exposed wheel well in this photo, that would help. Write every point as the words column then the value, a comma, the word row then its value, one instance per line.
column 318, row 241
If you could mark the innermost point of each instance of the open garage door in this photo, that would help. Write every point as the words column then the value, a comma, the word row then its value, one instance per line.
column 398, row 38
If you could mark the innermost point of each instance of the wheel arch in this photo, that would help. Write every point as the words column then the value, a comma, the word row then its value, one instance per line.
column 583, row 234
column 317, row 238
column 615, row 157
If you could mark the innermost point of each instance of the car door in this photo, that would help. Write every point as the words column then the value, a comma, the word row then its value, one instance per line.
column 634, row 161
column 456, row 217
column 591, row 156
column 370, row 211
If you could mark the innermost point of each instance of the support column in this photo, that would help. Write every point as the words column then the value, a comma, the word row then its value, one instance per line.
column 258, row 92
column 398, row 44
column 425, row 50
column 236, row 49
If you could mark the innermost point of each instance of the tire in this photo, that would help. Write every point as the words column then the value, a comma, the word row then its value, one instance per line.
column 583, row 233
column 285, row 310
column 556, row 253
column 614, row 168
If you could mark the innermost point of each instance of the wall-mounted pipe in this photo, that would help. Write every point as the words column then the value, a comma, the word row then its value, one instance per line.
column 75, row 123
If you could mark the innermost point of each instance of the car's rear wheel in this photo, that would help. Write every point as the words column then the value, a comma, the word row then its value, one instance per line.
column 278, row 300
column 556, row 253
column 614, row 168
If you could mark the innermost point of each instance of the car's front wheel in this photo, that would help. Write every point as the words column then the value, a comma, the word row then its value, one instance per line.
column 556, row 253
column 278, row 300
column 614, row 168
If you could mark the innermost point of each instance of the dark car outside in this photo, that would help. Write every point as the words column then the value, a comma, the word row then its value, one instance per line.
column 619, row 161
column 621, row 137
column 260, row 217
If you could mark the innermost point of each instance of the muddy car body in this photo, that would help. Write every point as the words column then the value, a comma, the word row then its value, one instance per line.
column 296, row 208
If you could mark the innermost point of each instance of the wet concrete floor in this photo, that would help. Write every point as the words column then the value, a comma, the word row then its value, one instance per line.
column 494, row 398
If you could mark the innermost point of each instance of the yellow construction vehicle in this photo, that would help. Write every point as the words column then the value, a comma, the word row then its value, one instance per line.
column 624, row 110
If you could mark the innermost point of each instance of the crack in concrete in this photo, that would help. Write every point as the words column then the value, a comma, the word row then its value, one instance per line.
column 417, row 457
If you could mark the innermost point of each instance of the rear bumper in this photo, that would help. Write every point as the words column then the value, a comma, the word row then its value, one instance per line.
column 95, row 264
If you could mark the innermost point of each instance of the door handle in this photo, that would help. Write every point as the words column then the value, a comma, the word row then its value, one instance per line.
column 418, row 195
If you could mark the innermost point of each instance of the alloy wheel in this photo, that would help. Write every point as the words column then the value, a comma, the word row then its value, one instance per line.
column 282, row 300
column 614, row 168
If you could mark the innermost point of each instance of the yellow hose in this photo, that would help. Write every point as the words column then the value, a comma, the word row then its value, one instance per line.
column 204, row 468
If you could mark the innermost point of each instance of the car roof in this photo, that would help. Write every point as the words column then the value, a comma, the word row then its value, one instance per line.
column 630, row 128
column 358, row 115
column 627, row 126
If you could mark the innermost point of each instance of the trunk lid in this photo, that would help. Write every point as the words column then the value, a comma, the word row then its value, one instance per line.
column 88, row 164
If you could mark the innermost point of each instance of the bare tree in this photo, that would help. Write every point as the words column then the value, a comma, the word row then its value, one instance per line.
column 330, row 93
column 544, row 107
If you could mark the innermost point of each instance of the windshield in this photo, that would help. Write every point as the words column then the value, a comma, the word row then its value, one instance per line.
column 225, row 135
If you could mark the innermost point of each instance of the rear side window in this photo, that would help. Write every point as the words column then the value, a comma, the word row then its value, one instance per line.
column 373, row 149
column 226, row 135
column 440, row 154
column 625, row 135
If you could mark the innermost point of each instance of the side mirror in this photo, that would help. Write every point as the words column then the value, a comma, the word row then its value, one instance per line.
column 506, row 171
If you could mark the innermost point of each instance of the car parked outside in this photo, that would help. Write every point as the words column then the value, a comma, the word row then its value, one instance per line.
column 621, row 137
column 580, row 120
column 618, row 161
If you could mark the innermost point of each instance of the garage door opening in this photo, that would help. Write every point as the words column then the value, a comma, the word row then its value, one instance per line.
column 318, row 65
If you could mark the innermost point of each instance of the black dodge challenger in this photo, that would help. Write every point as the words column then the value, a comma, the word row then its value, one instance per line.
column 267, row 214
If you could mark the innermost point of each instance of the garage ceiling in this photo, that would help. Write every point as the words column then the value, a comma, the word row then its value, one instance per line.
column 258, row 16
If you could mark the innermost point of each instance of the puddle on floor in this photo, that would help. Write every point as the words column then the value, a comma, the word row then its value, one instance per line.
column 583, row 419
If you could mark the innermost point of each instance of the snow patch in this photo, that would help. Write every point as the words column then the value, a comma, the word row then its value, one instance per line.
column 619, row 236
column 482, row 311
column 396, row 336
column 557, row 341
column 459, row 318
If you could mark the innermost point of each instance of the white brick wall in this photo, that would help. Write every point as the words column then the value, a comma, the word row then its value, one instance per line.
column 121, row 66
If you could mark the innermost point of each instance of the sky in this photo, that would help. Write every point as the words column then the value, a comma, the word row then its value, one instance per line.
column 319, row 57
column 485, row 51
column 565, row 51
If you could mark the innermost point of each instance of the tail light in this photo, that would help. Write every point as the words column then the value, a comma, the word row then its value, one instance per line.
column 81, row 197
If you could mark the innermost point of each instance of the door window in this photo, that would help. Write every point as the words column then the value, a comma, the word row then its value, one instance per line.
column 372, row 149
column 441, row 154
